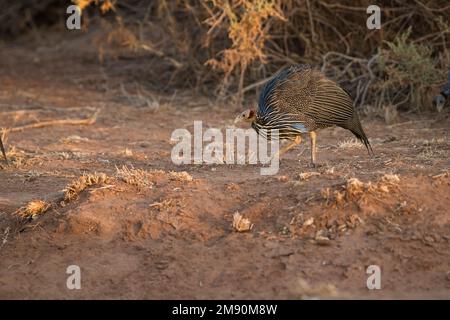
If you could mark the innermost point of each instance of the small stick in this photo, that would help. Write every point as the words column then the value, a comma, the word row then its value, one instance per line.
column 255, row 85
column 3, row 149
column 410, row 122
column 42, row 124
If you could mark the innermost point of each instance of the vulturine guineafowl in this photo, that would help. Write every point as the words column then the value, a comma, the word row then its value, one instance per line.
column 299, row 100
column 443, row 96
column 3, row 149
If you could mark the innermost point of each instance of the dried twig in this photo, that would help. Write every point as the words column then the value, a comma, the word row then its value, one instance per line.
column 3, row 149
column 89, row 121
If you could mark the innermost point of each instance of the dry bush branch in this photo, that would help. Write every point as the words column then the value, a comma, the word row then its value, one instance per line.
column 244, row 41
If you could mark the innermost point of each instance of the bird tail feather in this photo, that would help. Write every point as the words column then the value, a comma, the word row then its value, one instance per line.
column 361, row 135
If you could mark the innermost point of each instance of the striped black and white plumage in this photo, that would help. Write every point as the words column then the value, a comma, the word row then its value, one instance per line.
column 299, row 100
column 444, row 95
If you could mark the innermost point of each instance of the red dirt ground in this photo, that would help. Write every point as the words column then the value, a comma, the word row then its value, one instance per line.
column 173, row 239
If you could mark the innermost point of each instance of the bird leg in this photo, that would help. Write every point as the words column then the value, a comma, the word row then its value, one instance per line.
column 313, row 136
column 282, row 151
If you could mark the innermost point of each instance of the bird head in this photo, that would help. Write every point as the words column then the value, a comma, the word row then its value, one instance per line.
column 248, row 115
column 439, row 102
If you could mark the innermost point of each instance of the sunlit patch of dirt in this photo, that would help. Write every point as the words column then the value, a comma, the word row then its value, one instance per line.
column 107, row 197
column 392, row 203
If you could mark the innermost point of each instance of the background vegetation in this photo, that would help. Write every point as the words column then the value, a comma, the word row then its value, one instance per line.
column 228, row 48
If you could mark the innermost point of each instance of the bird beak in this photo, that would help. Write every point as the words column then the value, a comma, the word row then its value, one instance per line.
column 237, row 120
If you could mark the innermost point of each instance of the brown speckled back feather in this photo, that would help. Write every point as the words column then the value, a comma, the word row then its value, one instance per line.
column 306, row 95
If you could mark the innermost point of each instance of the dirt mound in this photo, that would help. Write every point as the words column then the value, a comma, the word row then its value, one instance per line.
column 170, row 210
column 394, row 203
column 137, row 204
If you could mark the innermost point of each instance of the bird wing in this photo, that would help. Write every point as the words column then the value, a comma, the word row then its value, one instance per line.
column 331, row 105
column 305, row 92
column 287, row 93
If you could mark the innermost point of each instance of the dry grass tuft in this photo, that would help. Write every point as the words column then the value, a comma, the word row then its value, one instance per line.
column 16, row 158
column 444, row 175
column 356, row 190
column 306, row 175
column 350, row 144
column 430, row 142
column 355, row 187
column 74, row 139
column 430, row 152
column 305, row 291
column 241, row 224
column 72, row 191
column 128, row 152
column 33, row 209
column 390, row 178
column 182, row 176
column 136, row 177
column 146, row 179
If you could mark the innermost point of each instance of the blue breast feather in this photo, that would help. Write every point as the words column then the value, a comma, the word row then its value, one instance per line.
column 301, row 127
